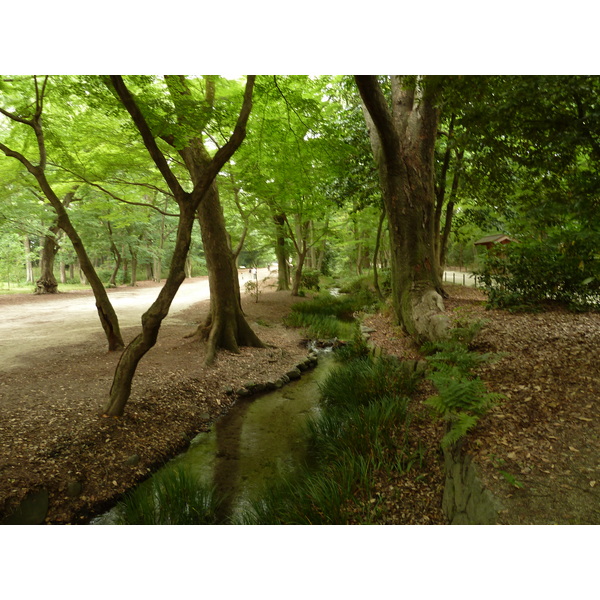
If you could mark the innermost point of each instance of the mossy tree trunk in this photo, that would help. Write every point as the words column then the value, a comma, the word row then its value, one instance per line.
column 403, row 141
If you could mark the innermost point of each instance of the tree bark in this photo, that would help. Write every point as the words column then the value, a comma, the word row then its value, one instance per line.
column 283, row 271
column 376, row 256
column 117, row 257
column 225, row 327
column 403, row 141
column 47, row 284
column 28, row 261
column 188, row 203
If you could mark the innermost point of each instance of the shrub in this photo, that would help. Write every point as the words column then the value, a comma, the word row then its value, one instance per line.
column 310, row 279
column 564, row 268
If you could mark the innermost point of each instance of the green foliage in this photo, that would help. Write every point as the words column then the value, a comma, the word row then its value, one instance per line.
column 462, row 398
column 172, row 497
column 357, row 382
column 310, row 279
column 362, row 290
column 355, row 349
column 252, row 287
column 349, row 440
column 564, row 268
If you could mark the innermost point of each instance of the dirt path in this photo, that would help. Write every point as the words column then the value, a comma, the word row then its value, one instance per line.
column 30, row 323
column 52, row 437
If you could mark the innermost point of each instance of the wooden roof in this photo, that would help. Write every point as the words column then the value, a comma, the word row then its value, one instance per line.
column 494, row 239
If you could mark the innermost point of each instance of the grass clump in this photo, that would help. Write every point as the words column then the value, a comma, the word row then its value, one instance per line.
column 324, row 317
column 362, row 429
column 319, row 326
column 362, row 380
column 172, row 497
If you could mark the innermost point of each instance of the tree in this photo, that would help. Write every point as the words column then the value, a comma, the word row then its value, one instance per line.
column 225, row 326
column 403, row 139
column 203, row 170
column 31, row 116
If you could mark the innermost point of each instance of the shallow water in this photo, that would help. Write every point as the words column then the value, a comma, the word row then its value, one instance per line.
column 257, row 440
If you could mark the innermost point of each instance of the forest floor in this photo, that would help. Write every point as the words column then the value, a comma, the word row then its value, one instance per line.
column 538, row 450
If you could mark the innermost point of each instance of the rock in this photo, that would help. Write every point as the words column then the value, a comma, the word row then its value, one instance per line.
column 74, row 488
column 31, row 511
column 206, row 416
column 132, row 460
column 242, row 392
column 228, row 391
column 294, row 374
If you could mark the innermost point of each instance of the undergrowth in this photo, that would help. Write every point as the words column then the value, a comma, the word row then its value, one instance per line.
column 363, row 428
column 171, row 497
column 462, row 397
column 325, row 317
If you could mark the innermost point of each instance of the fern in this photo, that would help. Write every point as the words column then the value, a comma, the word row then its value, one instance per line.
column 461, row 399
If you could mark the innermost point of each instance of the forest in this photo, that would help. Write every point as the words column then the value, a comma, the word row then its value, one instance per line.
column 379, row 182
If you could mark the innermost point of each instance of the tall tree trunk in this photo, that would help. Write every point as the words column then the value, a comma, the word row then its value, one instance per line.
column 117, row 257
column 134, row 262
column 188, row 202
column 283, row 271
column 297, row 279
column 225, row 327
column 301, row 244
column 47, row 284
column 28, row 261
column 376, row 256
column 403, row 142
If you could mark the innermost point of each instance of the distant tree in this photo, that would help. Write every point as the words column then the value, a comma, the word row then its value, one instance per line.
column 29, row 114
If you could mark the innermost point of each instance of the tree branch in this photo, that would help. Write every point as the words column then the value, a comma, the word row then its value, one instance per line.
column 140, row 122
column 374, row 101
column 224, row 153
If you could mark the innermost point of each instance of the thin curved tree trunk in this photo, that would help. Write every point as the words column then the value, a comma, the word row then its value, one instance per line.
column 106, row 313
column 152, row 318
column 376, row 257
column 188, row 202
column 283, row 272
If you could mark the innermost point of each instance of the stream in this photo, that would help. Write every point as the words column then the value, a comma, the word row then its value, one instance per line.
column 257, row 440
